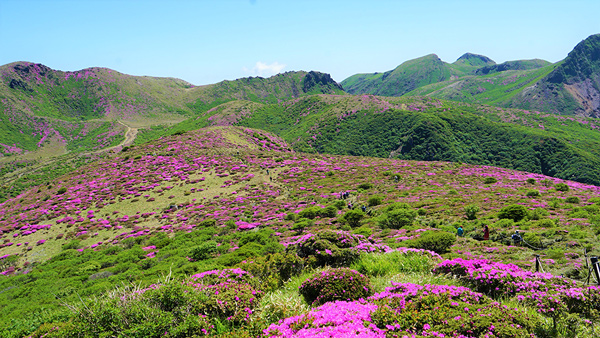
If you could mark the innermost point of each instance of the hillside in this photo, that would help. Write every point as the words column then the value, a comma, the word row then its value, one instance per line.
column 160, row 222
column 408, row 76
column 569, row 87
column 419, row 129
column 573, row 87
column 79, row 110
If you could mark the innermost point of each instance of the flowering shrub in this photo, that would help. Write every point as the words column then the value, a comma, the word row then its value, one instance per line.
column 550, row 295
column 231, row 301
column 440, row 311
column 334, row 319
column 274, row 270
column 335, row 284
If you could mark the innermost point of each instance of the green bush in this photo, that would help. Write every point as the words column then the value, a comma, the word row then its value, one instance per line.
column 364, row 231
column 537, row 214
column 310, row 212
column 561, row 187
column 471, row 211
column 365, row 186
column 353, row 217
column 329, row 212
column 572, row 199
column 61, row 191
column 490, row 180
column 327, row 248
column 532, row 193
column 335, row 284
column 375, row 200
column 397, row 218
column 531, row 180
column 515, row 212
column 437, row 241
column 274, row 270
column 204, row 251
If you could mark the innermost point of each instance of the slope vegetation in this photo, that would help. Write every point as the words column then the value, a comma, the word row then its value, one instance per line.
column 138, row 245
column 420, row 129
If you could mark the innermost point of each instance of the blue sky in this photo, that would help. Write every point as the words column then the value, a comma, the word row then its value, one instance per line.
column 206, row 42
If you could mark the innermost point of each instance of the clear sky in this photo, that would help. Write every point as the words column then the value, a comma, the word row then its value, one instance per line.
column 207, row 41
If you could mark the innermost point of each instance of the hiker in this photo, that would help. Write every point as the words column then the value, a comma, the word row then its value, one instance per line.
column 486, row 233
column 364, row 209
column 460, row 232
column 350, row 206
column 396, row 178
column 516, row 237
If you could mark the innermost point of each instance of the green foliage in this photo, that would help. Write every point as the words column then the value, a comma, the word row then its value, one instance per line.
column 561, row 187
column 490, row 180
column 365, row 186
column 531, row 180
column 436, row 241
column 353, row 217
column 204, row 251
column 471, row 211
column 394, row 262
column 572, row 199
column 532, row 193
column 61, row 191
column 274, row 270
column 335, row 284
column 397, row 218
column 327, row 248
column 515, row 212
column 374, row 201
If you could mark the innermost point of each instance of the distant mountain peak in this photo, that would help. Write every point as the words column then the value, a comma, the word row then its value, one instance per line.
column 475, row 60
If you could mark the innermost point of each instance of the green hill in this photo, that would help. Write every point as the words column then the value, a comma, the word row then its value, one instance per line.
column 401, row 80
column 79, row 109
column 419, row 129
column 569, row 87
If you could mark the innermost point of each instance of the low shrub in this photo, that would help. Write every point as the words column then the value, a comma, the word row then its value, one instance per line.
column 515, row 212
column 436, row 241
column 335, row 284
column 204, row 251
column 365, row 186
column 532, row 193
column 353, row 217
column 398, row 217
column 375, row 200
column 561, row 187
column 572, row 199
column 471, row 211
column 490, row 180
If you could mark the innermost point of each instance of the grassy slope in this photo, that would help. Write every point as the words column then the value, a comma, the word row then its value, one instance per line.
column 141, row 183
column 82, row 106
column 408, row 76
column 423, row 129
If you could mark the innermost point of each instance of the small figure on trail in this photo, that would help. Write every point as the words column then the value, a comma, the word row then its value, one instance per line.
column 460, row 232
column 516, row 237
column 396, row 178
column 267, row 171
column 486, row 233
column 364, row 209
column 350, row 206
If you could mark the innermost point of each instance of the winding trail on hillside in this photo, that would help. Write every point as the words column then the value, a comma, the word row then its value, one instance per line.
column 130, row 135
